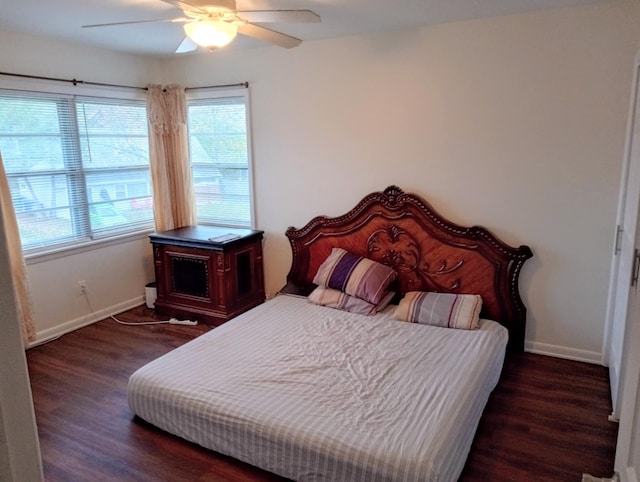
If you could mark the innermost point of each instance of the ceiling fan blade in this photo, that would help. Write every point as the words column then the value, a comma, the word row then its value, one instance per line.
column 187, row 45
column 189, row 6
column 279, row 16
column 137, row 21
column 268, row 35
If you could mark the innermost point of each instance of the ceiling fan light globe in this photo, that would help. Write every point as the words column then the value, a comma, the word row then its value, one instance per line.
column 211, row 33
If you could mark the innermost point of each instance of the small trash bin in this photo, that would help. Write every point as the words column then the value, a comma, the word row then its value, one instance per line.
column 151, row 293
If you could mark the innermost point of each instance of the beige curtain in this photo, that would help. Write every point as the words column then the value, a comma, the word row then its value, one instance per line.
column 173, row 198
column 16, row 260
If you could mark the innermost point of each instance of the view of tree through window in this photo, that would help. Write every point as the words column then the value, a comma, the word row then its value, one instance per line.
column 78, row 168
column 219, row 153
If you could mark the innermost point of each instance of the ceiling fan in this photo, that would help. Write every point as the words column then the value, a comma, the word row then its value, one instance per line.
column 215, row 23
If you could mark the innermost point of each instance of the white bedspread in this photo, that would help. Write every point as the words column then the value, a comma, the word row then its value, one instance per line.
column 317, row 394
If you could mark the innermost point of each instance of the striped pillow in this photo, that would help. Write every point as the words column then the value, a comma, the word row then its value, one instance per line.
column 440, row 309
column 342, row 301
column 355, row 275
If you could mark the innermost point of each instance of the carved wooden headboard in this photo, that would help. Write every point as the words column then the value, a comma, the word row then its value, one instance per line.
column 429, row 253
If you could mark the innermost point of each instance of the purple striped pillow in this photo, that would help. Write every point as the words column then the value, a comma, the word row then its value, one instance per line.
column 440, row 309
column 342, row 301
column 355, row 275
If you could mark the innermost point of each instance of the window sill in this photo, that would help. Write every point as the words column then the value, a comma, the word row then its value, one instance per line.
column 62, row 252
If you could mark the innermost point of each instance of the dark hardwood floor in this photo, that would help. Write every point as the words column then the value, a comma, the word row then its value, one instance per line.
column 546, row 420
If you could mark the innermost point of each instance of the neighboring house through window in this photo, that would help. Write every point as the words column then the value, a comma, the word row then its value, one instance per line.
column 220, row 156
column 78, row 167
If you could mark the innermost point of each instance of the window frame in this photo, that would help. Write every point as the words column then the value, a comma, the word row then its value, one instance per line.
column 39, row 87
column 203, row 94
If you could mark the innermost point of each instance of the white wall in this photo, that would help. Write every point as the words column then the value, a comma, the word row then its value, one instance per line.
column 26, row 54
column 516, row 123
column 115, row 274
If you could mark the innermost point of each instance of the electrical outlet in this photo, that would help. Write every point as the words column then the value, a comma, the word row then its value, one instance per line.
column 83, row 286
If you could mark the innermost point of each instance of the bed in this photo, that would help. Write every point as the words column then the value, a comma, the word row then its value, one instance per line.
column 317, row 393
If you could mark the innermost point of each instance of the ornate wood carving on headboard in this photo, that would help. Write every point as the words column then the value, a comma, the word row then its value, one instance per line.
column 429, row 253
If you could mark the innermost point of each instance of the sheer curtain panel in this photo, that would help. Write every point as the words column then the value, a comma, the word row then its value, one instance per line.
column 173, row 199
column 16, row 260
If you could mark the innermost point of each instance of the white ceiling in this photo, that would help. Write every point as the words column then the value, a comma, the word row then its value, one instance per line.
column 63, row 19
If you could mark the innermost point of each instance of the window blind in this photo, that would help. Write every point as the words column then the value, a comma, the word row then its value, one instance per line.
column 78, row 167
column 219, row 155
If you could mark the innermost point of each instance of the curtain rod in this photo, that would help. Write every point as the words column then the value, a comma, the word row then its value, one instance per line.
column 240, row 84
column 84, row 82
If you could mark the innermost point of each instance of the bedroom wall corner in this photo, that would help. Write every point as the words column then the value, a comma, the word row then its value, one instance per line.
column 516, row 123
column 116, row 273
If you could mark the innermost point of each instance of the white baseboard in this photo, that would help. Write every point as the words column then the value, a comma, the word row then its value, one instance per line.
column 563, row 352
column 64, row 328
column 59, row 330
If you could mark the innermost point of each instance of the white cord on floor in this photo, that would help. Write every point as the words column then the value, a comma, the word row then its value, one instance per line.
column 172, row 321
column 87, row 292
column 163, row 322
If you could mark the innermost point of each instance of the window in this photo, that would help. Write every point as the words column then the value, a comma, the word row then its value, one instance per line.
column 219, row 154
column 78, row 167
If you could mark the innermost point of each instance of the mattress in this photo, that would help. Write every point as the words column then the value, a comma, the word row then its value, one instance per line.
column 317, row 394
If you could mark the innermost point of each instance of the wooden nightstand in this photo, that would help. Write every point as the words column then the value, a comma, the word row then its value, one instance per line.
column 207, row 273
